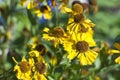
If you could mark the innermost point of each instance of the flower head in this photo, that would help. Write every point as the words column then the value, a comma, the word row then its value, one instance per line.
column 23, row 69
column 79, row 46
column 79, row 24
column 57, row 35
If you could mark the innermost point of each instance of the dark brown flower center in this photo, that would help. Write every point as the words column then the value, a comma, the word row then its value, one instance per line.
column 43, row 8
column 24, row 66
column 78, row 18
column 40, row 67
column 57, row 32
column 40, row 48
column 82, row 46
column 77, row 8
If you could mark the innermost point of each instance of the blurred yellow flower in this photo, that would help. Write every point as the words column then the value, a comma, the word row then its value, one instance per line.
column 57, row 35
column 44, row 11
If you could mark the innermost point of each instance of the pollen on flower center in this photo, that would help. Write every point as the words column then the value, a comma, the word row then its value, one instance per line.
column 82, row 46
column 40, row 67
column 78, row 18
column 24, row 66
column 57, row 32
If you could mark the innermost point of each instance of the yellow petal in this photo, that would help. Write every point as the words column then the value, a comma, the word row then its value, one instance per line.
column 47, row 15
column 91, row 56
column 82, row 59
column 72, row 54
column 117, row 60
column 113, row 51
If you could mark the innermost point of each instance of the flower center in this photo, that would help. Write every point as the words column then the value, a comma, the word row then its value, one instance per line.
column 40, row 48
column 57, row 32
column 78, row 18
column 41, row 68
column 43, row 9
column 77, row 8
column 24, row 66
column 82, row 46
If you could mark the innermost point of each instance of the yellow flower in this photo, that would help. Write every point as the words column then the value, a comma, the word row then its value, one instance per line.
column 79, row 24
column 44, row 11
column 40, row 69
column 57, row 35
column 23, row 69
column 113, row 51
column 80, row 47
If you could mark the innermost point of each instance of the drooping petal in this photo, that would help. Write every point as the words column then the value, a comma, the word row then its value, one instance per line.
column 117, row 60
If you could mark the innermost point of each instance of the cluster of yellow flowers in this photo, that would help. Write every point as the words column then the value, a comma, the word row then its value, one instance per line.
column 39, row 8
column 34, row 66
column 78, row 37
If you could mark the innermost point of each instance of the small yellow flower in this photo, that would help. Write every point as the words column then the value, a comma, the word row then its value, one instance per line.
column 44, row 11
column 57, row 35
column 23, row 69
